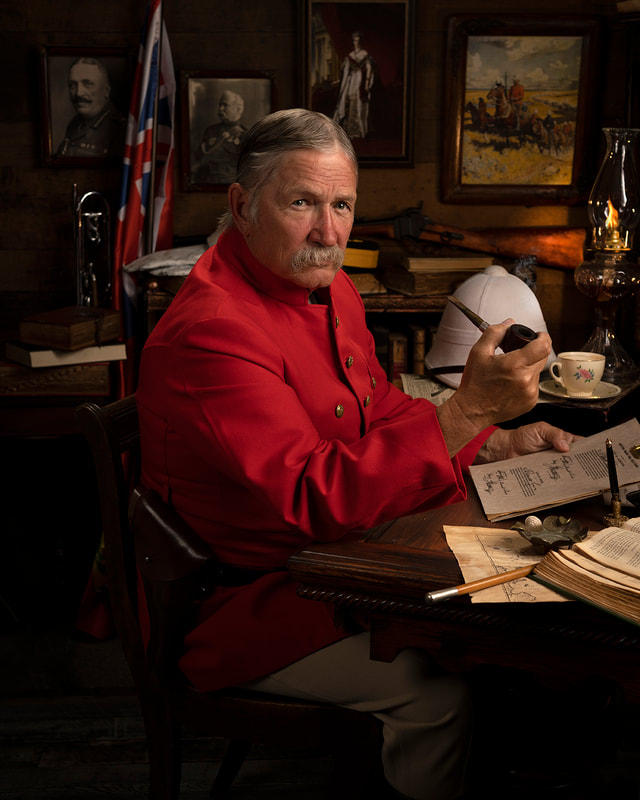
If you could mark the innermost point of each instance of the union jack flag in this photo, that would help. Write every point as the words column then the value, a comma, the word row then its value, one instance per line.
column 141, row 175
column 94, row 616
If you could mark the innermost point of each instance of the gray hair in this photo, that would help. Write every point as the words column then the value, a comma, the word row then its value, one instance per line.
column 275, row 135
column 93, row 62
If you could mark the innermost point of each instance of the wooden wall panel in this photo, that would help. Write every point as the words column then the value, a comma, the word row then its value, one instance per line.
column 36, row 236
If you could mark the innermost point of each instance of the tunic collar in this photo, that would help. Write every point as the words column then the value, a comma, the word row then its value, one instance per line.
column 235, row 252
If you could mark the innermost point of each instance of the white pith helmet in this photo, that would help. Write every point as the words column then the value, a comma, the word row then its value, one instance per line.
column 493, row 294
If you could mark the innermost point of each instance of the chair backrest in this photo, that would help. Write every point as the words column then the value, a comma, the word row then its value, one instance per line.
column 178, row 570
column 112, row 432
column 145, row 541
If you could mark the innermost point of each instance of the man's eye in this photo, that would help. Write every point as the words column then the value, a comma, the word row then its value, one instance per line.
column 342, row 205
column 299, row 202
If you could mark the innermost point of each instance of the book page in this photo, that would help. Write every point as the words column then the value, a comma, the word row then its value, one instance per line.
column 608, row 576
column 549, row 478
column 483, row 552
column 615, row 547
column 579, row 581
column 632, row 524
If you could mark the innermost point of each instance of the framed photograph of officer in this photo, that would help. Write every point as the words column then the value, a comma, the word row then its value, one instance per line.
column 217, row 109
column 84, row 98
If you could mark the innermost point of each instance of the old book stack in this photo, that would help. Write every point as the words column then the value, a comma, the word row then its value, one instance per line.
column 432, row 276
column 67, row 351
column 361, row 264
column 604, row 570
column 401, row 351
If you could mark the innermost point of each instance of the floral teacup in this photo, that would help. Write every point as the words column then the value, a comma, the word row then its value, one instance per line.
column 579, row 372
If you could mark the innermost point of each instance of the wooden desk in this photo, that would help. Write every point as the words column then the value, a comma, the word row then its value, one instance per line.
column 386, row 573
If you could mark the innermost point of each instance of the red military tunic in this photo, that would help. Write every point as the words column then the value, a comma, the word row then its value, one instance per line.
column 268, row 423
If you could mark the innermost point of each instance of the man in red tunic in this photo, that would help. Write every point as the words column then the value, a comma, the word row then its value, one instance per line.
column 516, row 94
column 268, row 423
column 516, row 98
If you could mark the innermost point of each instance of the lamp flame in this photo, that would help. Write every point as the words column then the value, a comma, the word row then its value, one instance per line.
column 611, row 222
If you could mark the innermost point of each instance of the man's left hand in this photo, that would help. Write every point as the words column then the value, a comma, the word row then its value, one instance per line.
column 532, row 438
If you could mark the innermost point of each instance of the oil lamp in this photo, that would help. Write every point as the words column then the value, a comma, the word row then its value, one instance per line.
column 611, row 273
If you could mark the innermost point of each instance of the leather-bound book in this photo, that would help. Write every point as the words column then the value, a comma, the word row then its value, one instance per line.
column 71, row 328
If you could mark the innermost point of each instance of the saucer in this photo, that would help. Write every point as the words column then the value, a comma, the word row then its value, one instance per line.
column 603, row 392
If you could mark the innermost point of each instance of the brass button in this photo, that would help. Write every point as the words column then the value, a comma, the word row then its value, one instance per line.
column 367, row 400
column 374, row 382
column 339, row 410
column 349, row 362
column 337, row 321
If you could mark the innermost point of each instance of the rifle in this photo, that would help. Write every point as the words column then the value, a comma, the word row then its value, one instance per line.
column 552, row 246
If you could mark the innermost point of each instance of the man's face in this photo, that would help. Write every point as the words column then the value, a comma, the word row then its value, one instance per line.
column 88, row 88
column 304, row 216
column 229, row 110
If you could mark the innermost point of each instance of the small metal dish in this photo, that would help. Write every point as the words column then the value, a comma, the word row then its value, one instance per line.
column 551, row 533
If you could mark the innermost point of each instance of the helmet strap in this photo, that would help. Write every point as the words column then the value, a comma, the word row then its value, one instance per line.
column 444, row 370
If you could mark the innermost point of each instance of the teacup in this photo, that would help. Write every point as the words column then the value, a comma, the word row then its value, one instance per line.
column 579, row 372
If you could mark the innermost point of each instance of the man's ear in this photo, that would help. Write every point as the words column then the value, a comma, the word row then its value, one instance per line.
column 239, row 206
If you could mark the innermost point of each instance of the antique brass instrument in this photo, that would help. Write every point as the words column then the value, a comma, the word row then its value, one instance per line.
column 92, row 239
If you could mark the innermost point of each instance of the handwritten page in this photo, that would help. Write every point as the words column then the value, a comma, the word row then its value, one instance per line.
column 483, row 552
column 427, row 387
column 543, row 480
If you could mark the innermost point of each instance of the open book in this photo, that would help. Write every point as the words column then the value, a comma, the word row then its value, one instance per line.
column 550, row 478
column 603, row 570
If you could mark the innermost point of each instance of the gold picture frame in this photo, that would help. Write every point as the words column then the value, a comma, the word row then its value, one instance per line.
column 520, row 109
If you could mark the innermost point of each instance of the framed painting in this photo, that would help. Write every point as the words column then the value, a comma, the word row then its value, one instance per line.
column 217, row 109
column 519, row 116
column 84, row 93
column 358, row 70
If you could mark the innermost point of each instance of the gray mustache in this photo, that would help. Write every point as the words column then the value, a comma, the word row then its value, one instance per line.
column 317, row 256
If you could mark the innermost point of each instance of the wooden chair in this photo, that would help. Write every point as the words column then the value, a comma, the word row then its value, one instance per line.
column 146, row 537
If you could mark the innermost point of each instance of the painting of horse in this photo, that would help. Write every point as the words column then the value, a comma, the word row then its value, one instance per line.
column 506, row 115
column 530, row 118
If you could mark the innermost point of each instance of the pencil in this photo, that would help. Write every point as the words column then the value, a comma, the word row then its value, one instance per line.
column 481, row 583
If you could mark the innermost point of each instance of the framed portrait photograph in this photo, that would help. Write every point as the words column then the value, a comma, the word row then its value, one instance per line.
column 217, row 109
column 358, row 70
column 520, row 103
column 84, row 98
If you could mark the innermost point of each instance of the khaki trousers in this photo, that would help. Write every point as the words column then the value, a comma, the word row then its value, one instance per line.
column 426, row 714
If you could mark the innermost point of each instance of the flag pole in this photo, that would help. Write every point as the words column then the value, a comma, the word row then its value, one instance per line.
column 154, row 143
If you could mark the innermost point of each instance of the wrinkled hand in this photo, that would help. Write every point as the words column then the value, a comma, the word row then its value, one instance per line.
column 532, row 438
column 495, row 387
column 502, row 386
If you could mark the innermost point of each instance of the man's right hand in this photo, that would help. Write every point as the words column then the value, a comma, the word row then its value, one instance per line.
column 495, row 387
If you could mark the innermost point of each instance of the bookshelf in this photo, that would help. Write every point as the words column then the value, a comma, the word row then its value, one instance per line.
column 394, row 312
column 159, row 292
column 401, row 304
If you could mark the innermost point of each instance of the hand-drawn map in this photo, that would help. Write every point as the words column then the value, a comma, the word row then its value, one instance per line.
column 484, row 552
